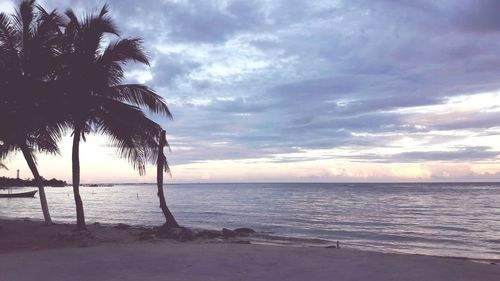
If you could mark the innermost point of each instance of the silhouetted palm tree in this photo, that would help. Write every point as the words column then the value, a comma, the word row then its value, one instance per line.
column 97, row 99
column 2, row 166
column 28, row 47
column 162, row 167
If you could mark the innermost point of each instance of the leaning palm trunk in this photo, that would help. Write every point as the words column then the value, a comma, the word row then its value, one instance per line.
column 39, row 182
column 80, row 216
column 169, row 218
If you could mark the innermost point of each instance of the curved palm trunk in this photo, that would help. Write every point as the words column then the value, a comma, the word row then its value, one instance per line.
column 41, row 190
column 169, row 218
column 80, row 216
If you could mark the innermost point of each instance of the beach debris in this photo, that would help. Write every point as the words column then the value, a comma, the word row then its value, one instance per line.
column 244, row 230
column 246, row 242
column 147, row 234
column 187, row 234
column 228, row 233
column 337, row 246
column 122, row 226
column 77, row 238
column 209, row 234
column 178, row 233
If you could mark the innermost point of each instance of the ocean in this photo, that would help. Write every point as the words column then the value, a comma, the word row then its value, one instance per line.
column 443, row 219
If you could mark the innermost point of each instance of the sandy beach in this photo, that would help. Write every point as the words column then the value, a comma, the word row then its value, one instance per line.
column 31, row 251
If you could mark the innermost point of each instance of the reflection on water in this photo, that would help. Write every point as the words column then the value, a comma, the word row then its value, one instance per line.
column 437, row 219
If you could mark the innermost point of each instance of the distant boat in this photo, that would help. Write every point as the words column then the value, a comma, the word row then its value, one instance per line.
column 19, row 195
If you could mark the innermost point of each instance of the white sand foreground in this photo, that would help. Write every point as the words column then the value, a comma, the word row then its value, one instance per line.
column 160, row 260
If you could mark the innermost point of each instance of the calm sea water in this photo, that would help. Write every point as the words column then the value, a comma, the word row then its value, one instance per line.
column 438, row 219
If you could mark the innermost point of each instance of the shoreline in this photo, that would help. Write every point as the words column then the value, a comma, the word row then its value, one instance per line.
column 254, row 239
column 29, row 249
column 344, row 213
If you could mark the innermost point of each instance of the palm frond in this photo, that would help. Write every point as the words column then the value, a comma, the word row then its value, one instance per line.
column 73, row 25
column 86, row 34
column 28, row 44
column 7, row 33
column 45, row 43
column 104, row 10
column 42, row 141
column 123, row 51
column 48, row 25
column 101, row 23
column 24, row 18
column 140, row 95
column 131, row 132
column 10, row 144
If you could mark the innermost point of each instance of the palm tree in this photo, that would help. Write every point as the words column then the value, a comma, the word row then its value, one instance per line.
column 161, row 167
column 2, row 166
column 99, row 102
column 28, row 47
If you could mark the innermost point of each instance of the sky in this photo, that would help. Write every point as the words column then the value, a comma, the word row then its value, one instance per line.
column 309, row 91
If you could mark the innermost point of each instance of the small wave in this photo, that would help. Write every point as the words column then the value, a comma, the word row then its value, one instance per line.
column 286, row 240
column 452, row 228
column 419, row 218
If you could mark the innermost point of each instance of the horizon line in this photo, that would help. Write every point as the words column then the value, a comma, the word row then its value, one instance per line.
column 294, row 182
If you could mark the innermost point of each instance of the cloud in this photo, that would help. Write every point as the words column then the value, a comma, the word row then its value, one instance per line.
column 209, row 21
column 477, row 16
column 169, row 68
column 476, row 153
column 256, row 79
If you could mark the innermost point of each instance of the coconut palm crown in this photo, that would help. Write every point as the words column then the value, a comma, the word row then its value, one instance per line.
column 99, row 102
column 29, row 46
